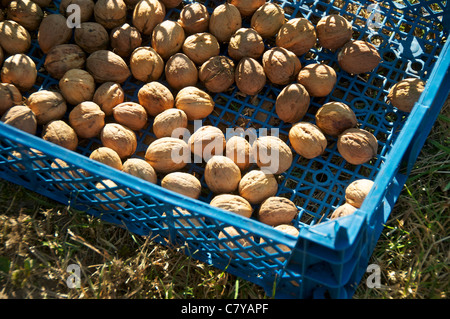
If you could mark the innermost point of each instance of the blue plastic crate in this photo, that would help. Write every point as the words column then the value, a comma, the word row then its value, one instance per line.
column 329, row 257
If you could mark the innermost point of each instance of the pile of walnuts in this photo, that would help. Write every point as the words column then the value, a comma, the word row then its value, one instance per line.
column 199, row 53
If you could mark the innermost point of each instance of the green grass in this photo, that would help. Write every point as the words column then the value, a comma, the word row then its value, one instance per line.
column 39, row 239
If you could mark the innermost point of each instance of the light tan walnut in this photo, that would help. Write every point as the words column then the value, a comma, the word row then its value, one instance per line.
column 333, row 118
column 19, row 70
column 182, row 183
column 169, row 123
column 256, row 186
column 281, row 65
column 233, row 203
column 131, row 114
column 277, row 210
column 196, row 103
column 318, row 79
column 21, row 117
column 272, row 154
column 268, row 19
column 119, row 138
column 222, row 175
column 140, row 168
column 87, row 119
column 333, row 31
column 168, row 154
column 307, row 140
column 357, row 146
column 155, row 97
column 206, row 142
column 107, row 156
column 60, row 133
column 357, row 191
column 238, row 149
column 108, row 95
column 358, row 56
column 225, row 20
column 405, row 93
column 77, row 86
column 47, row 106
column 292, row 103
column 297, row 35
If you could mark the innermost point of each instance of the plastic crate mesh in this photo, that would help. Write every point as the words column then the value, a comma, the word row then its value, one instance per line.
column 409, row 46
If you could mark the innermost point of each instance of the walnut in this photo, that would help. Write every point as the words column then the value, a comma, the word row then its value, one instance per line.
column 166, row 123
column 217, row 74
column 281, row 65
column 333, row 118
column 125, row 39
column 199, row 47
column 196, row 103
column 140, row 168
column 19, row 70
column 333, row 31
column 131, row 114
column 405, row 93
column 119, row 138
column 146, row 64
column 182, row 183
column 297, row 35
column 53, row 30
column 87, row 119
column 247, row 7
column 180, row 71
column 343, row 210
column 222, row 175
column 256, row 186
column 77, row 86
column 194, row 18
column 245, row 42
column 357, row 146
column 106, row 66
column 155, row 97
column 21, row 117
column 14, row 38
column 25, row 12
column 108, row 95
column 272, row 154
column 110, row 13
column 206, row 142
column 358, row 56
column 268, row 19
column 147, row 14
column 357, row 191
column 9, row 96
column 225, row 20
column 250, row 77
column 86, row 8
column 276, row 211
column 168, row 38
column 233, row 203
column 60, row 133
column 63, row 57
column 307, row 140
column 238, row 149
column 318, row 79
column 292, row 103
column 91, row 37
column 168, row 154
column 47, row 106
column 107, row 156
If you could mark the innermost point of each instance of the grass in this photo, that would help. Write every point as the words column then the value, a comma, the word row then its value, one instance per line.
column 39, row 239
